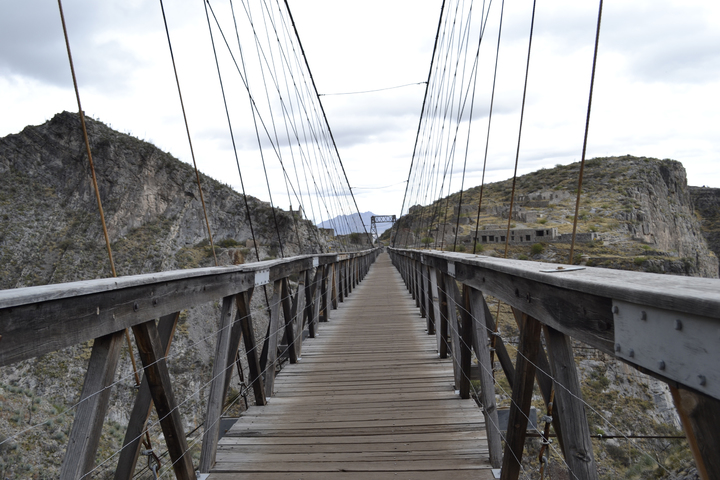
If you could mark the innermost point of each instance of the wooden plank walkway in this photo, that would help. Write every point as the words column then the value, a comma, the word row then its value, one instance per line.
column 369, row 399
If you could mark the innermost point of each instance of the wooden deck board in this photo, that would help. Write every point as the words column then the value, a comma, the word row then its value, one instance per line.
column 369, row 398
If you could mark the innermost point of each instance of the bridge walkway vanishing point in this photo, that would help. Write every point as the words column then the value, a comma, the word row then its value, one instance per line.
column 369, row 399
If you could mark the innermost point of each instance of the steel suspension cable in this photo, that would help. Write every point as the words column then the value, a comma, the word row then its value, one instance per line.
column 187, row 130
column 487, row 138
column 587, row 127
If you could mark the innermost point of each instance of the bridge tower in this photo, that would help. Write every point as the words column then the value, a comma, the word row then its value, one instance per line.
column 375, row 219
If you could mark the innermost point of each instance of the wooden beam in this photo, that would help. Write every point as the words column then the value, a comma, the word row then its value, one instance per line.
column 481, row 344
column 216, row 396
column 700, row 415
column 271, row 340
column 521, row 398
column 500, row 350
column 543, row 375
column 569, row 407
column 39, row 327
column 151, row 353
column 242, row 302
column 334, row 285
column 583, row 316
column 298, row 310
column 451, row 295
column 142, row 407
column 289, row 324
column 465, row 345
column 430, row 302
column 87, row 425
column 324, row 307
column 438, row 311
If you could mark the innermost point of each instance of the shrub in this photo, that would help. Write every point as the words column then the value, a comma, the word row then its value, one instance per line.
column 542, row 221
column 639, row 260
column 426, row 241
column 522, row 256
column 479, row 247
column 537, row 248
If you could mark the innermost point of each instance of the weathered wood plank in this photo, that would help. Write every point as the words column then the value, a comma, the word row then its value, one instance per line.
column 287, row 309
column 700, row 415
column 87, row 425
column 268, row 361
column 521, row 397
column 569, row 407
column 481, row 344
column 151, row 353
column 142, row 407
column 255, row 379
column 216, row 396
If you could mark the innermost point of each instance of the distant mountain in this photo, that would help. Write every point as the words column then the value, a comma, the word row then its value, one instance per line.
column 345, row 224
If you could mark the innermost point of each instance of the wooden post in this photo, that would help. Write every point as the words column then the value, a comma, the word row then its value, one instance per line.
column 454, row 330
column 500, row 350
column 298, row 310
column 341, row 280
column 334, row 285
column 151, row 353
column 430, row 301
column 309, row 310
column 287, row 315
column 142, row 407
column 271, row 340
column 437, row 312
column 465, row 344
column 87, row 426
column 521, row 397
column 324, row 313
column 481, row 344
column 700, row 416
column 441, row 328
column 568, row 406
column 242, row 301
column 543, row 375
column 216, row 396
column 422, row 284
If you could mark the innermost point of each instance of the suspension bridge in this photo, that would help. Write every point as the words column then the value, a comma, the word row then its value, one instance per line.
column 377, row 362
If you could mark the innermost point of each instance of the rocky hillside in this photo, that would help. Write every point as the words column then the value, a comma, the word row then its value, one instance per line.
column 641, row 210
column 50, row 232
column 635, row 214
column 707, row 208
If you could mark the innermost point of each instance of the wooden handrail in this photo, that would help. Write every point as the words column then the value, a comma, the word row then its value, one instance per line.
column 663, row 325
column 39, row 320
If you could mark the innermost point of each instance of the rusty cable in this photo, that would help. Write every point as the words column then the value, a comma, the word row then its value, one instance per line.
column 587, row 127
column 522, row 115
column 187, row 129
column 95, row 186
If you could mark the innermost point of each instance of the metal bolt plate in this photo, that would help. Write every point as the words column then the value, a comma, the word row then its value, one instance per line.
column 650, row 337
column 262, row 277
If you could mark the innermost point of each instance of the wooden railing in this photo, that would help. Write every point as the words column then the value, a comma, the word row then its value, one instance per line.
column 38, row 320
column 665, row 326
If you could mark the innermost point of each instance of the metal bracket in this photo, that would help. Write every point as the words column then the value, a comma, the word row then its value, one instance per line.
column 262, row 277
column 679, row 346
column 451, row 269
column 562, row 269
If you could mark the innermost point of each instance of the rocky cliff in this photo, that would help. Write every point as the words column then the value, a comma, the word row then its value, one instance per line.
column 640, row 210
column 50, row 232
column 707, row 208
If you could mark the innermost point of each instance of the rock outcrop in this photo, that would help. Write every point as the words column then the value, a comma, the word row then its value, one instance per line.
column 50, row 232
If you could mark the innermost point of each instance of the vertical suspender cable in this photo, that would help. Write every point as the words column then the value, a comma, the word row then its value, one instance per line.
column 422, row 112
column 487, row 139
column 87, row 143
column 322, row 109
column 94, row 181
column 187, row 129
column 522, row 114
column 587, row 127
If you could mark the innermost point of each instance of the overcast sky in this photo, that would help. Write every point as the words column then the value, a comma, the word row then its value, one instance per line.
column 656, row 90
